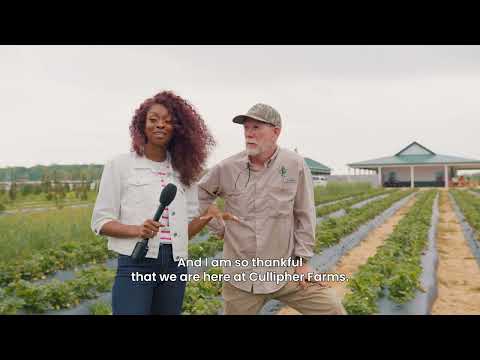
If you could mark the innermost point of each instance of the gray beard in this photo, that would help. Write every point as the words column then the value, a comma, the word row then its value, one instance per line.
column 253, row 152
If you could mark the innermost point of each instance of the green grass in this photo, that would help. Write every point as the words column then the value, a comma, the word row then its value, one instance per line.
column 24, row 234
column 40, row 200
column 32, row 246
column 58, row 240
column 339, row 190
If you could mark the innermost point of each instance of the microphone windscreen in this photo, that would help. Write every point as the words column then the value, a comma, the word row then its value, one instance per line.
column 168, row 194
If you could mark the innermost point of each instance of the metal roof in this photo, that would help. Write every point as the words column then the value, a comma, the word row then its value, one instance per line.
column 316, row 166
column 420, row 150
column 424, row 159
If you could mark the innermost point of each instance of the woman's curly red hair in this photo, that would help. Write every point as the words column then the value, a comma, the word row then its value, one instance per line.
column 191, row 142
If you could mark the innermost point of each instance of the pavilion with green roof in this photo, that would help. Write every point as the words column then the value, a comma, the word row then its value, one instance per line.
column 416, row 166
column 317, row 168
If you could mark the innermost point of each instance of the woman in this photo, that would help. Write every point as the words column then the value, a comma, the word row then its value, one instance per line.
column 170, row 144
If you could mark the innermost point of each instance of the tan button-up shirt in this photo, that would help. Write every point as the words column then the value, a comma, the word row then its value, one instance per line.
column 276, row 209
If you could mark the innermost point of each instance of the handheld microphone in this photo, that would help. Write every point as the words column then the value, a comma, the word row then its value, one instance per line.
column 166, row 197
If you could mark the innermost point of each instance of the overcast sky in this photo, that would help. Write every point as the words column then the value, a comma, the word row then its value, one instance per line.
column 339, row 104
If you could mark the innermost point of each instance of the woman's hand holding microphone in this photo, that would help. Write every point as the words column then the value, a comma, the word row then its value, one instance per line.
column 149, row 229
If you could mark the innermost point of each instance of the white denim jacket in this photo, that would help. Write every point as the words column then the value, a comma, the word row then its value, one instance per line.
column 130, row 192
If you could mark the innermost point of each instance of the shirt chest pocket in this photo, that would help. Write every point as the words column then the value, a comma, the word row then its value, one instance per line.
column 280, row 200
column 236, row 203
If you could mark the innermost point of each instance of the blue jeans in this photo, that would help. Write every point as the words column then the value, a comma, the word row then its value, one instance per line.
column 148, row 297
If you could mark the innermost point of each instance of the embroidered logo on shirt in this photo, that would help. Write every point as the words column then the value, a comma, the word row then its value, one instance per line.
column 283, row 171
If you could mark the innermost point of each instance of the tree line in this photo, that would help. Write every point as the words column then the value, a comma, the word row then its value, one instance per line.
column 89, row 172
column 50, row 178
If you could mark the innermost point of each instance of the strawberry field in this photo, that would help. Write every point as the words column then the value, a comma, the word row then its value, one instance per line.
column 52, row 263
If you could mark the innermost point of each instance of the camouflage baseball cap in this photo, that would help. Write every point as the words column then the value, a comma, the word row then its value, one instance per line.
column 261, row 112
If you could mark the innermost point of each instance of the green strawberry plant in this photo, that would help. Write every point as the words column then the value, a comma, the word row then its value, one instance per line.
column 396, row 267
column 330, row 231
column 346, row 204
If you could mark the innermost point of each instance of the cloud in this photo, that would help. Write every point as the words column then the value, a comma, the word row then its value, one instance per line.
column 73, row 104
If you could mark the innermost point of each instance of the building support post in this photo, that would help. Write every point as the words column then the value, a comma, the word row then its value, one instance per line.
column 412, row 177
column 446, row 176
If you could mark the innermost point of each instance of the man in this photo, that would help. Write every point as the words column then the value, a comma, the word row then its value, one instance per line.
column 270, row 192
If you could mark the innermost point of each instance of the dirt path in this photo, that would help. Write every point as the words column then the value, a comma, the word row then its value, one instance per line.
column 359, row 255
column 458, row 273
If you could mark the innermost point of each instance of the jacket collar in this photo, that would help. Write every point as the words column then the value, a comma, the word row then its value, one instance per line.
column 141, row 162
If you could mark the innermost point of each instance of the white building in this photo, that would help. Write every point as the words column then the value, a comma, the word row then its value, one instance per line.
column 416, row 166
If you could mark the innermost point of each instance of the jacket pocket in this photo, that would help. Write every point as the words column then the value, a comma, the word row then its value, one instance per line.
column 138, row 191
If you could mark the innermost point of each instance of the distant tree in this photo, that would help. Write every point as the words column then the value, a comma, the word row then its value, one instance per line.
column 84, row 194
column 61, row 192
column 26, row 189
column 35, row 173
column 75, row 173
column 64, row 172
column 57, row 187
column 37, row 189
column 84, row 191
column 20, row 173
column 59, row 199
column 12, row 194
column 55, row 177
column 46, row 182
